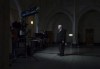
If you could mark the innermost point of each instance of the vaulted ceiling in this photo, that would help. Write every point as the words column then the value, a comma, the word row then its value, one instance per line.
column 23, row 4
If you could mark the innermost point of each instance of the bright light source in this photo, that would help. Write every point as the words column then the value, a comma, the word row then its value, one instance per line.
column 70, row 35
column 31, row 22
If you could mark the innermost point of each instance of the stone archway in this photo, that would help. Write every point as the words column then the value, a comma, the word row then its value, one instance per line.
column 60, row 18
column 86, row 9
column 89, row 21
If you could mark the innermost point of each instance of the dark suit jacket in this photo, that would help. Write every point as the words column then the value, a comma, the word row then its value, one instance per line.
column 61, row 36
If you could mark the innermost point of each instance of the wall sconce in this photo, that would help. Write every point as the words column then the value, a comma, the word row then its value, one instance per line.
column 70, row 35
column 32, row 22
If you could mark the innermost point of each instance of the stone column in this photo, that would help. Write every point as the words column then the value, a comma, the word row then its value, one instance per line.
column 37, row 23
column 75, row 21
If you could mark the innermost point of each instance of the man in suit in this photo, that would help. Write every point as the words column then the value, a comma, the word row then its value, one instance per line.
column 61, row 39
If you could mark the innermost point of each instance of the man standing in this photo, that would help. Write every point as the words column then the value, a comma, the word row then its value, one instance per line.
column 61, row 39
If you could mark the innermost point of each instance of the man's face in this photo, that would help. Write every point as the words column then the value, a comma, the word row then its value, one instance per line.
column 59, row 27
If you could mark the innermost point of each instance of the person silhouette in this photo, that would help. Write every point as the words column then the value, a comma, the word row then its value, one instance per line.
column 61, row 39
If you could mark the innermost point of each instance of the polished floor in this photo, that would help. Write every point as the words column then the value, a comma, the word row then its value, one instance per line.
column 75, row 58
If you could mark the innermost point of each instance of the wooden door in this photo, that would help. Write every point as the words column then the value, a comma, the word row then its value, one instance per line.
column 50, row 36
column 89, row 38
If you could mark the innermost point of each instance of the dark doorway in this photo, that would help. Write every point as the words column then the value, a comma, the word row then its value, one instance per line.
column 89, row 36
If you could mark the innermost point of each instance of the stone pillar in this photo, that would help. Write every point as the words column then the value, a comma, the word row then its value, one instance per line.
column 4, row 34
column 37, row 23
column 75, row 21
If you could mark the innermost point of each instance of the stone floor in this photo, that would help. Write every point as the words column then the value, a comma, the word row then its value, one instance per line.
column 75, row 58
